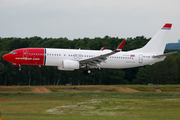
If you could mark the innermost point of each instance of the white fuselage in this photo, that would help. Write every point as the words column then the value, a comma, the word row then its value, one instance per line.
column 55, row 57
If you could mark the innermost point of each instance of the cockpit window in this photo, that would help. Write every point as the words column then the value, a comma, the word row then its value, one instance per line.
column 13, row 52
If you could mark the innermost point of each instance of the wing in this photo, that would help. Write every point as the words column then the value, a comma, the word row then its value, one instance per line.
column 96, row 61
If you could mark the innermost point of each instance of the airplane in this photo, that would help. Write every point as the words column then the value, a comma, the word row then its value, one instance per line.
column 71, row 59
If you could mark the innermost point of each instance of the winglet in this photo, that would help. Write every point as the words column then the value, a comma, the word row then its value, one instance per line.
column 102, row 48
column 121, row 45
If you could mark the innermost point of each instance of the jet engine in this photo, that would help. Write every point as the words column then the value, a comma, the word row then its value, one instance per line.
column 69, row 65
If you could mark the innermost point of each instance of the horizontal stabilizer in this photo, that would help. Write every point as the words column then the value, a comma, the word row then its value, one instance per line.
column 162, row 55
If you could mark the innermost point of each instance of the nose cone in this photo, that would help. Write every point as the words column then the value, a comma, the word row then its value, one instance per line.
column 6, row 57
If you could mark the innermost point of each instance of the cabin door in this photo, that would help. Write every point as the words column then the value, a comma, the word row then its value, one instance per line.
column 25, row 53
column 140, row 58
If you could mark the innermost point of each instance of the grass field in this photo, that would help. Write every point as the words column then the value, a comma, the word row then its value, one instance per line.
column 90, row 102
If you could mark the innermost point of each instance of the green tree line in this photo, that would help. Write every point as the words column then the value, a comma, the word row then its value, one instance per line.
column 166, row 72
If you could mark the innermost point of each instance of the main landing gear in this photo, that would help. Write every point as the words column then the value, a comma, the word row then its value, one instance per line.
column 87, row 71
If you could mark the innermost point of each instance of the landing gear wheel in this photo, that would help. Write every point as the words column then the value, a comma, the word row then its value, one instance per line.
column 87, row 72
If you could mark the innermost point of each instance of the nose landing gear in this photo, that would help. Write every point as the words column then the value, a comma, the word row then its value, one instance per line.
column 19, row 67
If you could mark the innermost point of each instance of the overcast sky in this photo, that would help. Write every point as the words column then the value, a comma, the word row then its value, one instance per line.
column 88, row 18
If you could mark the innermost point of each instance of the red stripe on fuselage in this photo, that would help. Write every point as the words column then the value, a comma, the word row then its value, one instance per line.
column 27, row 56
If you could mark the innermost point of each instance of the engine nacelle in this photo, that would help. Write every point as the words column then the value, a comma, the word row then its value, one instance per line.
column 70, row 64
